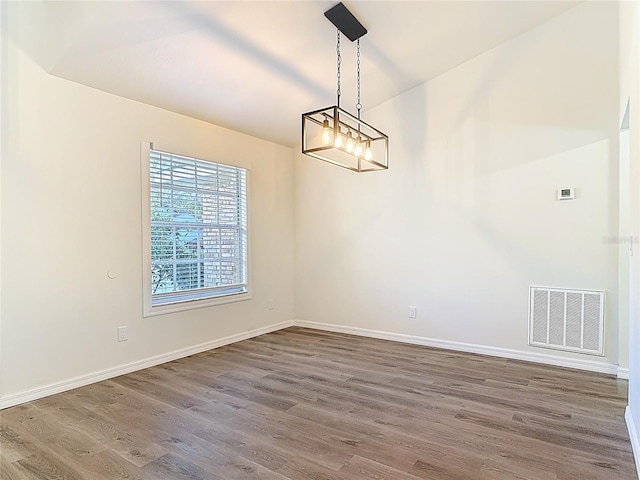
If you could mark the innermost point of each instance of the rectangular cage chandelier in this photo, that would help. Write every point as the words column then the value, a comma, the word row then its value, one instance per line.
column 336, row 136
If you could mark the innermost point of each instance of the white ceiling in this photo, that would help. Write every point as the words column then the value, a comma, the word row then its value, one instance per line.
column 255, row 67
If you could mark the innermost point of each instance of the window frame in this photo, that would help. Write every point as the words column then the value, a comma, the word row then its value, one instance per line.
column 149, row 309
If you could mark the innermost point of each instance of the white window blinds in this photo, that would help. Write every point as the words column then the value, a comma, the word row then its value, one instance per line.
column 198, row 229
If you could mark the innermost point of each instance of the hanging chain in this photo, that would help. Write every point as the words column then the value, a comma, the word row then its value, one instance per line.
column 339, row 63
column 358, row 105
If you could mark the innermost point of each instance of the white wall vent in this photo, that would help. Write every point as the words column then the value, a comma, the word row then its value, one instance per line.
column 570, row 320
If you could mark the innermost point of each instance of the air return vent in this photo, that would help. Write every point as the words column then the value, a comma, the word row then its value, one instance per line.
column 570, row 320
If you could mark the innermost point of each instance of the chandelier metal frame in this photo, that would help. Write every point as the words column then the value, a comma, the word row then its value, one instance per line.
column 334, row 135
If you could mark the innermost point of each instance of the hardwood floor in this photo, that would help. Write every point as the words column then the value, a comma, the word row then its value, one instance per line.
column 303, row 404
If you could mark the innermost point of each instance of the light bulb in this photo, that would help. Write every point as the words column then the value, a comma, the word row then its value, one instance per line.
column 350, row 143
column 327, row 134
column 368, row 154
column 358, row 150
column 339, row 141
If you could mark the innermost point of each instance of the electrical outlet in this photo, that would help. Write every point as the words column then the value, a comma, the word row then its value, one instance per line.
column 122, row 334
column 413, row 311
column 271, row 304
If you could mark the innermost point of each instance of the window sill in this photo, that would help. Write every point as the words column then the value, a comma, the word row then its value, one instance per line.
column 151, row 311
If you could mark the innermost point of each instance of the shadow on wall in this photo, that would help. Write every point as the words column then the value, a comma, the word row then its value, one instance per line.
column 537, row 95
column 216, row 29
column 50, row 49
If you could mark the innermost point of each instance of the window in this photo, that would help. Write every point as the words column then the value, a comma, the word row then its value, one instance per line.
column 196, row 234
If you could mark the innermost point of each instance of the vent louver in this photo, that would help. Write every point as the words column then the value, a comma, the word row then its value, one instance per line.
column 566, row 319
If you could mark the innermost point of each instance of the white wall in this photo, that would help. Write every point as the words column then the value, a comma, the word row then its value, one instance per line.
column 71, row 196
column 630, row 90
column 466, row 218
column 627, row 247
column 3, row 142
column 628, row 250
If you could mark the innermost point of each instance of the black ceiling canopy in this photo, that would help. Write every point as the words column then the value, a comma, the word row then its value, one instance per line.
column 344, row 20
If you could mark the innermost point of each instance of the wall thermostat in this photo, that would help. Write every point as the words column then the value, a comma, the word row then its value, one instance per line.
column 566, row 193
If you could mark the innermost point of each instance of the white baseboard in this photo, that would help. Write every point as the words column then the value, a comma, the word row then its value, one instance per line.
column 467, row 347
column 81, row 381
column 46, row 390
column 633, row 436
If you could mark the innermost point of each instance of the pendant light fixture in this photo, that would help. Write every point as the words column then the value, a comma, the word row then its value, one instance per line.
column 335, row 135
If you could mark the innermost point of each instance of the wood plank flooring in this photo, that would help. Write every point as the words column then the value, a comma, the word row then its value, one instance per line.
column 302, row 404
